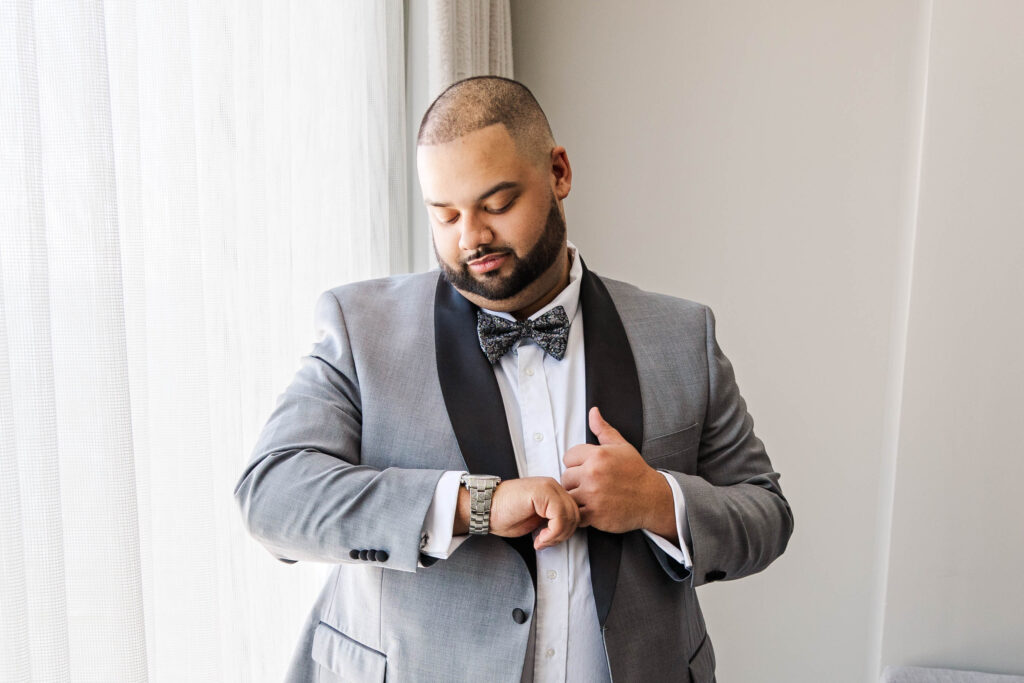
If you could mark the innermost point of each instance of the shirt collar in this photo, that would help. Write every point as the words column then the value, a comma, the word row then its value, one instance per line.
column 568, row 298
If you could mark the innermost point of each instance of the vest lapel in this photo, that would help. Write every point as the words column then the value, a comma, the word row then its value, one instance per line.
column 613, row 386
column 472, row 397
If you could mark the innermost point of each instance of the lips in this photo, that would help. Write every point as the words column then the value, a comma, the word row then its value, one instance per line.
column 487, row 263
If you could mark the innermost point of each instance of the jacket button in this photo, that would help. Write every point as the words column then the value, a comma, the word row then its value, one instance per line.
column 518, row 616
column 382, row 555
column 354, row 554
column 364, row 554
column 372, row 555
column 715, row 575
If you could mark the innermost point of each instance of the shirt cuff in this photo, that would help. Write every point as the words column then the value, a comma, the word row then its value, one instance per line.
column 680, row 553
column 436, row 539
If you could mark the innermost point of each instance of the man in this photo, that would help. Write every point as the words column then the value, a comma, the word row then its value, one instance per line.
column 590, row 437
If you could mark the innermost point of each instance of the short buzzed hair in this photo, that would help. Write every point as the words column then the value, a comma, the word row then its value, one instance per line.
column 481, row 101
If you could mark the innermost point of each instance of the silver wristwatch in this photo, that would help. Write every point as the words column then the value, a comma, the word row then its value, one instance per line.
column 481, row 489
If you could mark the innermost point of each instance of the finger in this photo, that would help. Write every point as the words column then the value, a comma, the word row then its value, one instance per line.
column 605, row 433
column 567, row 518
column 577, row 497
column 574, row 511
column 559, row 528
column 543, row 539
column 570, row 515
column 586, row 512
column 580, row 499
column 571, row 507
column 577, row 455
column 552, row 506
column 571, row 478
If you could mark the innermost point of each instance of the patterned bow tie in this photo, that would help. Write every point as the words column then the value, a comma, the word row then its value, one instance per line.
column 498, row 335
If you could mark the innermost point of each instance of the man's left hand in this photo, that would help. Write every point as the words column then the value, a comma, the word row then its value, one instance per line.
column 614, row 487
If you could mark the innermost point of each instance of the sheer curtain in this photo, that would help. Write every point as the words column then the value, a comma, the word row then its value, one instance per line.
column 178, row 181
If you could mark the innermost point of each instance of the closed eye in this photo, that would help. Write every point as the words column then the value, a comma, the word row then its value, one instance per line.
column 503, row 209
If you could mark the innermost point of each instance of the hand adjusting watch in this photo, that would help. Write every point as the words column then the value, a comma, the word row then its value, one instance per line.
column 481, row 490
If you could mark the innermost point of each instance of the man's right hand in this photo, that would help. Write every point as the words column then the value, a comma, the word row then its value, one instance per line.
column 519, row 506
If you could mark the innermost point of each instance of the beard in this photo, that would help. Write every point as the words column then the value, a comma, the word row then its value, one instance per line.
column 525, row 270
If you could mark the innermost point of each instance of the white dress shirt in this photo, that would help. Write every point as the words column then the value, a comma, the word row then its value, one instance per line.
column 545, row 402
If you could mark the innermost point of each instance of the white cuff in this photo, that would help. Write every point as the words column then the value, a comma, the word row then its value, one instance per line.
column 680, row 553
column 436, row 538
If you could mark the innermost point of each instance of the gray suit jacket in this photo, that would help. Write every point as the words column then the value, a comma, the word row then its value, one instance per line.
column 396, row 390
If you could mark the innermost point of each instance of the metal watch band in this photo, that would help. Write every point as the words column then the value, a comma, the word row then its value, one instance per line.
column 481, row 490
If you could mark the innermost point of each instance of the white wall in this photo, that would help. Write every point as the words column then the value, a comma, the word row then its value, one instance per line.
column 840, row 182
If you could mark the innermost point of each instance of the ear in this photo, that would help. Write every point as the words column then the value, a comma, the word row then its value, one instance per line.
column 561, row 173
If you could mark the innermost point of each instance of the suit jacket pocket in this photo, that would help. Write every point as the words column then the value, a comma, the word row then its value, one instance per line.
column 702, row 662
column 669, row 450
column 347, row 659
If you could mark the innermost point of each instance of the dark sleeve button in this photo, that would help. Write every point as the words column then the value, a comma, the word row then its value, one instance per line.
column 372, row 554
column 354, row 554
column 716, row 575
column 382, row 555
column 364, row 554
column 518, row 616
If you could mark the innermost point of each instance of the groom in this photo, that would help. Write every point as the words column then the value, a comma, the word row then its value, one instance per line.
column 520, row 469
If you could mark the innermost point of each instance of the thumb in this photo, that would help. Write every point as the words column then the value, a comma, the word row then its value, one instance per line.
column 605, row 433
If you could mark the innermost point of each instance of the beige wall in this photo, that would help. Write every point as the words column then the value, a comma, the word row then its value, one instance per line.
column 841, row 183
column 955, row 592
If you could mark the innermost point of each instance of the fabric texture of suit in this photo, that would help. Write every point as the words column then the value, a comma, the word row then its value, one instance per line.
column 396, row 391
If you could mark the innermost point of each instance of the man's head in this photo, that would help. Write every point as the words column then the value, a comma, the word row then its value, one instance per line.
column 493, row 181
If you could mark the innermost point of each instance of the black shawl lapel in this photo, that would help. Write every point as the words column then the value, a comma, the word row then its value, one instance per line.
column 472, row 397
column 477, row 413
column 613, row 386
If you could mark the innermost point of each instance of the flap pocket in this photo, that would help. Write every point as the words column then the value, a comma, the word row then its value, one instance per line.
column 679, row 441
column 348, row 659
column 702, row 662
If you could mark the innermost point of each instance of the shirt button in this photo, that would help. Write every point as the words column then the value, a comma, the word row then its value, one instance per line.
column 552, row 574
column 537, row 436
column 529, row 372
column 549, row 652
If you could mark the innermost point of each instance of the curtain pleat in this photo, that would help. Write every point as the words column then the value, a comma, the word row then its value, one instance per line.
column 34, row 608
column 468, row 38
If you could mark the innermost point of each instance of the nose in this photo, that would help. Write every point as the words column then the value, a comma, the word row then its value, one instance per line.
column 475, row 231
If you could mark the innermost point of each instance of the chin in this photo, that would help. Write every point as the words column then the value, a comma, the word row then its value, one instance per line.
column 508, row 305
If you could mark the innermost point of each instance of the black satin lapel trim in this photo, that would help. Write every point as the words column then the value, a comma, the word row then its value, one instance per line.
column 613, row 386
column 472, row 397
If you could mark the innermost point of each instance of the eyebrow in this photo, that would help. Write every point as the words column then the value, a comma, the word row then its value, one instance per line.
column 504, row 185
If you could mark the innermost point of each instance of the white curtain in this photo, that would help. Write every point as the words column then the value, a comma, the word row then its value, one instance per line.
column 468, row 38
column 178, row 180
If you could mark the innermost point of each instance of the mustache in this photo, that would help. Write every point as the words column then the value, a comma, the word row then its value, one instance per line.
column 486, row 251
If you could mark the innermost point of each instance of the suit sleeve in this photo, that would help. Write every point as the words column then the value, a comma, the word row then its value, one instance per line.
column 739, row 520
column 304, row 495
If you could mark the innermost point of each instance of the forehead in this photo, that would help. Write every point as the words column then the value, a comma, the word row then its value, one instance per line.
column 459, row 170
